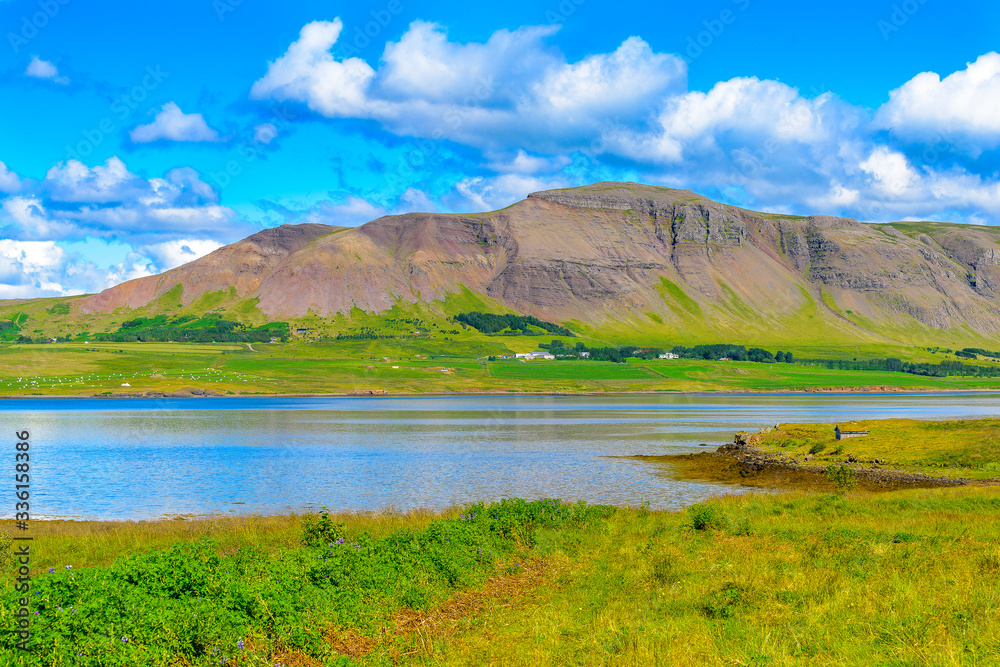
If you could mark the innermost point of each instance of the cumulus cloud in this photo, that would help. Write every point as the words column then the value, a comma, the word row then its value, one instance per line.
column 962, row 108
column 740, row 112
column 175, row 252
column 172, row 124
column 43, row 69
column 481, row 94
column 9, row 181
column 492, row 193
column 890, row 170
column 309, row 73
column 75, row 201
column 31, row 268
column 167, row 221
column 542, row 120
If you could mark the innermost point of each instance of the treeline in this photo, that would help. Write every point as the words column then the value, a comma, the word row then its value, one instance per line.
column 188, row 329
column 616, row 354
column 365, row 333
column 892, row 365
column 8, row 329
column 490, row 323
column 733, row 352
column 972, row 352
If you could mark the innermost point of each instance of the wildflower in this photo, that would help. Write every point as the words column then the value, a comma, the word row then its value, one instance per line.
column 239, row 643
column 51, row 570
column 124, row 639
column 69, row 567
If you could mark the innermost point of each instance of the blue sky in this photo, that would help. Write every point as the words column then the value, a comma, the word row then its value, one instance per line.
column 138, row 136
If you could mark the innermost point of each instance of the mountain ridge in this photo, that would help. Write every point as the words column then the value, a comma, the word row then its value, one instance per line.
column 616, row 257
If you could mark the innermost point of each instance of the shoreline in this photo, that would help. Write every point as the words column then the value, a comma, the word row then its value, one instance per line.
column 846, row 391
column 741, row 463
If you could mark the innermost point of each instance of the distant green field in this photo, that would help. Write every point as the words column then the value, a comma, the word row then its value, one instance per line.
column 568, row 370
column 403, row 366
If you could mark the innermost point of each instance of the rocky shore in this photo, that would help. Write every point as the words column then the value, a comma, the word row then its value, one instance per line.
column 744, row 463
column 754, row 462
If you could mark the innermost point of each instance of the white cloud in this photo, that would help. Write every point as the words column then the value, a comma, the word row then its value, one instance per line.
column 629, row 78
column 525, row 163
column 482, row 94
column 108, row 201
column 735, row 113
column 30, row 268
column 172, row 124
column 265, row 133
column 891, row 171
column 962, row 108
column 9, row 181
column 308, row 73
column 170, row 254
column 43, row 69
column 490, row 194
column 74, row 181
column 425, row 65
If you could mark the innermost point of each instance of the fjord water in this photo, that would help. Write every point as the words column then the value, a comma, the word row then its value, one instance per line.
column 145, row 459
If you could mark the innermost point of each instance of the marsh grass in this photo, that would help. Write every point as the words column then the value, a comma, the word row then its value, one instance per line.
column 903, row 578
column 906, row 578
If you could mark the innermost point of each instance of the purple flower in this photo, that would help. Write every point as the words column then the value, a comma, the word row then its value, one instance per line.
column 124, row 639
column 69, row 567
column 51, row 570
column 239, row 644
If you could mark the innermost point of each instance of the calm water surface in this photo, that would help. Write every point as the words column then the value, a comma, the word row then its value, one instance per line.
column 139, row 459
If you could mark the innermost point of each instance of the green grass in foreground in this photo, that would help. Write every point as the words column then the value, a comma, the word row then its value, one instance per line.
column 901, row 578
column 406, row 366
column 965, row 448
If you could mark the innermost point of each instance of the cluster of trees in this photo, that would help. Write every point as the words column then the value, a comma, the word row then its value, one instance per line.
column 616, row 354
column 205, row 330
column 971, row 352
column 8, row 328
column 365, row 333
column 893, row 365
column 489, row 323
column 734, row 352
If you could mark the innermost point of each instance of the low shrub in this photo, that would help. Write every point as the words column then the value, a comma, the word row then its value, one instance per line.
column 706, row 517
column 191, row 605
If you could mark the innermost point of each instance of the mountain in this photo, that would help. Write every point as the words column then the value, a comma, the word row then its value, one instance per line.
column 619, row 260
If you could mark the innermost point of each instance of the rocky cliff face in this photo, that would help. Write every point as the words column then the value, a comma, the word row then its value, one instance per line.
column 612, row 253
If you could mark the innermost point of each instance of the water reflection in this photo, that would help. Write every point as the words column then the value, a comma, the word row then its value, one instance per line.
column 115, row 459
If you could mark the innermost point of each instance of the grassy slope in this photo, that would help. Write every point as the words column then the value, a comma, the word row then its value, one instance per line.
column 955, row 448
column 432, row 354
column 818, row 323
